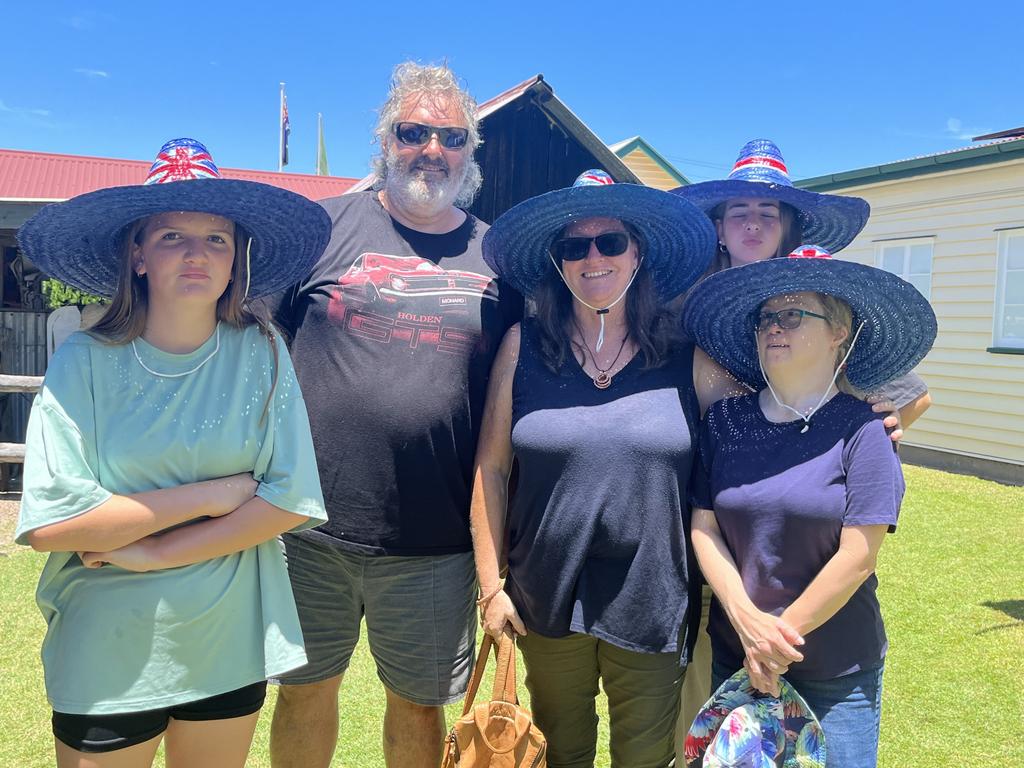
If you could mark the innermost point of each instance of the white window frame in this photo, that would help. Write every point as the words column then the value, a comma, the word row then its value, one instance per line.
column 1002, row 268
column 905, row 243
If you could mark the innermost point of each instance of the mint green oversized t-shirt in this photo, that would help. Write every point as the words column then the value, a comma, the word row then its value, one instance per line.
column 119, row 641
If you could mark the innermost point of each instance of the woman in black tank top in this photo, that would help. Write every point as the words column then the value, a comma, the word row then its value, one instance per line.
column 597, row 397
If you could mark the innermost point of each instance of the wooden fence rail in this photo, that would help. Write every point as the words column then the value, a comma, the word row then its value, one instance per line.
column 14, row 453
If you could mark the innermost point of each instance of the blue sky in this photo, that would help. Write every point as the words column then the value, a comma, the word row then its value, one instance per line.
column 837, row 86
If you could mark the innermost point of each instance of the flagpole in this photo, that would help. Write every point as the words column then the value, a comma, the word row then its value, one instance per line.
column 280, row 133
column 319, row 140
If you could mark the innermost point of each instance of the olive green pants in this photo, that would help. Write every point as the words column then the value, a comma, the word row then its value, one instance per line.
column 562, row 677
column 697, row 687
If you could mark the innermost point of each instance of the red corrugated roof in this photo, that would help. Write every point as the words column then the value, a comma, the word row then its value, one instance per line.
column 45, row 176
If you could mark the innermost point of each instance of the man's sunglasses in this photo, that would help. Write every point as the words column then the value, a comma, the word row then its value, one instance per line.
column 577, row 248
column 418, row 135
column 787, row 319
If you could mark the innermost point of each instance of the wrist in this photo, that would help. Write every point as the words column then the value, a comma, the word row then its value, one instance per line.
column 794, row 620
column 488, row 593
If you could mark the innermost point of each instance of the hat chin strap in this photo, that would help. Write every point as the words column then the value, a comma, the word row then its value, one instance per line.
column 807, row 417
column 248, row 268
column 601, row 312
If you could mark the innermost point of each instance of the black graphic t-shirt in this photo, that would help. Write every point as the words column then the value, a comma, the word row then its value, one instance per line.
column 394, row 333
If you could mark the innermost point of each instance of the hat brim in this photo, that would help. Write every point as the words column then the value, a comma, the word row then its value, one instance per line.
column 78, row 241
column 899, row 323
column 679, row 240
column 829, row 221
column 805, row 740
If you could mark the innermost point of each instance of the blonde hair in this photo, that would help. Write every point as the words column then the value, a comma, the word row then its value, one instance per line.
column 125, row 317
column 839, row 315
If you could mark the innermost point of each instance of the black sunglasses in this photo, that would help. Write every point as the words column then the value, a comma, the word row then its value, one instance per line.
column 577, row 248
column 787, row 319
column 418, row 135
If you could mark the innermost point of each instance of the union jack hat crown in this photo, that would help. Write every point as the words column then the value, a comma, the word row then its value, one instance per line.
column 760, row 171
column 760, row 160
column 79, row 241
column 593, row 178
column 182, row 160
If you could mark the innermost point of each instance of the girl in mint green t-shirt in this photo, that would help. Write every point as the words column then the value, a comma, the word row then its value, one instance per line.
column 167, row 449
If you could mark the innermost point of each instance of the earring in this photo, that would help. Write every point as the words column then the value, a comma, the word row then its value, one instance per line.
column 722, row 248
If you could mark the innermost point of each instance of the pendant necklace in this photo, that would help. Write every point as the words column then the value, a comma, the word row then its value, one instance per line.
column 603, row 380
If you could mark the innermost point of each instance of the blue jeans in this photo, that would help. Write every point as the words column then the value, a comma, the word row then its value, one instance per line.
column 849, row 709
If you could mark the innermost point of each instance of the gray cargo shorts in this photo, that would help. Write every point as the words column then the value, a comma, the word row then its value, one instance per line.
column 420, row 617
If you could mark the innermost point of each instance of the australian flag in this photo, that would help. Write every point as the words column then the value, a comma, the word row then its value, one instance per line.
column 286, row 128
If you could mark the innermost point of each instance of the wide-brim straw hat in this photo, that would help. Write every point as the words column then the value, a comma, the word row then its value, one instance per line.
column 831, row 221
column 678, row 239
column 80, row 241
column 899, row 323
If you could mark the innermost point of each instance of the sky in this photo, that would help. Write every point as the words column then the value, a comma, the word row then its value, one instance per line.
column 836, row 85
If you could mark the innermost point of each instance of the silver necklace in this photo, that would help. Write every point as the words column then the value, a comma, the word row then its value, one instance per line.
column 206, row 359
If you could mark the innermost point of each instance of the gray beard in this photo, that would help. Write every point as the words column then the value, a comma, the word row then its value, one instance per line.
column 410, row 189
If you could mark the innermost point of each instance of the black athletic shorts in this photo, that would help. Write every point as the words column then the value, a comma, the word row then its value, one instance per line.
column 106, row 733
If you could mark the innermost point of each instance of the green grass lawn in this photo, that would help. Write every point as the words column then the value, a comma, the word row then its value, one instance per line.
column 952, row 590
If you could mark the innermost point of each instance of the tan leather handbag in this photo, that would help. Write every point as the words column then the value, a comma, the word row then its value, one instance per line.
column 499, row 733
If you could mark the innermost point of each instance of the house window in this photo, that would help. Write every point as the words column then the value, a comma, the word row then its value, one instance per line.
column 1008, row 331
column 910, row 259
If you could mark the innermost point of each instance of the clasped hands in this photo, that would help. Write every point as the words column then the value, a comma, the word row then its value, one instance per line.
column 769, row 645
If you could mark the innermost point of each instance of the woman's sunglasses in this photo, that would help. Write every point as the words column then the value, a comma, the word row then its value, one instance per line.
column 577, row 248
column 418, row 135
column 787, row 319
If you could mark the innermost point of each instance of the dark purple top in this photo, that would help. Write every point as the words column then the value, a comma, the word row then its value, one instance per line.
column 781, row 499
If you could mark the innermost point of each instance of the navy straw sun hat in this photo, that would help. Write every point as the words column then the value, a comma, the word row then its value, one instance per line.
column 678, row 240
column 899, row 323
column 830, row 221
column 78, row 241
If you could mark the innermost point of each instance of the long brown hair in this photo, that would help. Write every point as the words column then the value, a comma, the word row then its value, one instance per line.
column 125, row 317
column 651, row 325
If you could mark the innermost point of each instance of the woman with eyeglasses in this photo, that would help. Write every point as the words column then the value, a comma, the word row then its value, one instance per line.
column 598, row 400
column 758, row 215
column 798, row 483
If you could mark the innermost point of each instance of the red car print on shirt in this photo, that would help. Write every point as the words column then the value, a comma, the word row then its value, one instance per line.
column 407, row 298
column 378, row 277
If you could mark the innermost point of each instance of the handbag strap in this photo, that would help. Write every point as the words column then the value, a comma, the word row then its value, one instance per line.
column 505, row 674
column 478, row 672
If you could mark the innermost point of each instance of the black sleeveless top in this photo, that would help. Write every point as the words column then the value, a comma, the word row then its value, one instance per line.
column 599, row 520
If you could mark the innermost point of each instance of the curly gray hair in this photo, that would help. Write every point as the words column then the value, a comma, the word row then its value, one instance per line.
column 438, row 83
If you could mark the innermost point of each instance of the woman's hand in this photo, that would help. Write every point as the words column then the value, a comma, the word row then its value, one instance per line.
column 768, row 641
column 893, row 422
column 499, row 614
column 765, row 682
column 139, row 556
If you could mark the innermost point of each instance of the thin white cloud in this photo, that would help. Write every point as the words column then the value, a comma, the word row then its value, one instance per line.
column 956, row 129
column 78, row 22
column 23, row 110
column 92, row 72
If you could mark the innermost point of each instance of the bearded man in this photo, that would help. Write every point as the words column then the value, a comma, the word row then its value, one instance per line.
column 394, row 333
